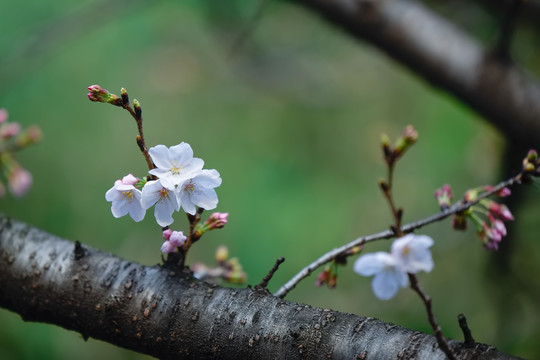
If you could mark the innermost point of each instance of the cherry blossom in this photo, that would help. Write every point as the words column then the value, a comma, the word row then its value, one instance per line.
column 174, row 165
column 199, row 191
column 164, row 197
column 409, row 254
column 126, row 198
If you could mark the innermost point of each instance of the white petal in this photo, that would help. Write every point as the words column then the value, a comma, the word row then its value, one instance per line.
column 187, row 205
column 150, row 193
column 160, row 173
column 192, row 168
column 119, row 208
column 208, row 179
column 413, row 253
column 387, row 282
column 205, row 198
column 112, row 194
column 181, row 153
column 163, row 213
column 160, row 156
column 136, row 211
column 371, row 264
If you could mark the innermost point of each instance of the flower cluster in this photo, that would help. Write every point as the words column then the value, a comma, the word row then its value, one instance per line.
column 409, row 255
column 12, row 139
column 180, row 182
column 487, row 215
column 173, row 240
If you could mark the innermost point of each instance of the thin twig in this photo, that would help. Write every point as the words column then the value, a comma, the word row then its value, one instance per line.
column 264, row 283
column 441, row 340
column 329, row 256
column 137, row 115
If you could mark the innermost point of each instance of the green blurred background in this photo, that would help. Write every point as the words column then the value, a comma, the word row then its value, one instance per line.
column 290, row 111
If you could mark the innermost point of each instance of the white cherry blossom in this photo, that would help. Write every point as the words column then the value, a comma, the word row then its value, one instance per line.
column 174, row 165
column 126, row 198
column 154, row 192
column 199, row 191
column 409, row 254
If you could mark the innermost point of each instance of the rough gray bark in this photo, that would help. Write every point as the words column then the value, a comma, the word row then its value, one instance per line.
column 168, row 314
column 445, row 56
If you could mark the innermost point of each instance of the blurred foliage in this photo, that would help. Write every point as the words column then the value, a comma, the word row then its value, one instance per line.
column 290, row 111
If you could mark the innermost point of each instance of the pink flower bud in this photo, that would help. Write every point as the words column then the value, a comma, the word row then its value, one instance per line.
column 444, row 196
column 177, row 238
column 167, row 234
column 500, row 210
column 504, row 192
column 19, row 181
column 168, row 247
column 217, row 220
column 98, row 94
column 129, row 180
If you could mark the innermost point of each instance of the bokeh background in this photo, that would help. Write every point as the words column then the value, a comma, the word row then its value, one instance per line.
column 290, row 111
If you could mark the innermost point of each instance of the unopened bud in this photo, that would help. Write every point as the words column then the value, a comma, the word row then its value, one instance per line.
column 19, row 181
column 385, row 142
column 216, row 220
column 98, row 94
column 137, row 107
column 222, row 254
column 29, row 136
column 410, row 135
column 124, row 95
column 444, row 196
column 408, row 138
column 383, row 185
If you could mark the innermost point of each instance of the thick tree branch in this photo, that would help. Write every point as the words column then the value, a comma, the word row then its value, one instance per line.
column 171, row 315
column 446, row 57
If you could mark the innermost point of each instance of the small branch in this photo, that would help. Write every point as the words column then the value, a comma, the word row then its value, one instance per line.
column 264, row 283
column 329, row 256
column 462, row 320
column 387, row 191
column 136, row 113
column 441, row 340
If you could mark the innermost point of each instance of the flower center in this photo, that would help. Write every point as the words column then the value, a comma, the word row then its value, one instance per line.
column 189, row 187
column 406, row 250
column 127, row 195
column 163, row 193
column 175, row 169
